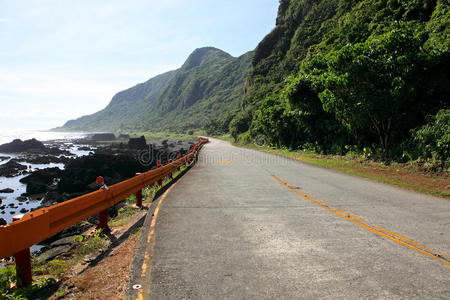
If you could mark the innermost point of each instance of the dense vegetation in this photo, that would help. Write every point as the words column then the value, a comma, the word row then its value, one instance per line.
column 336, row 75
column 209, row 86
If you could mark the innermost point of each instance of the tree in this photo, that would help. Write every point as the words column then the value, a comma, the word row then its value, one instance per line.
column 371, row 86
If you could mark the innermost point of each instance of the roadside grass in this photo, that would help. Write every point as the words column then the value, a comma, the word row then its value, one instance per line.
column 87, row 245
column 38, row 289
column 404, row 175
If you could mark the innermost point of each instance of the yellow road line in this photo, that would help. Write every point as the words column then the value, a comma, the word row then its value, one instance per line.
column 147, row 264
column 442, row 258
column 376, row 227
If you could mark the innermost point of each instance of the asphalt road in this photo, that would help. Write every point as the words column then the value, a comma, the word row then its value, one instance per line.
column 242, row 224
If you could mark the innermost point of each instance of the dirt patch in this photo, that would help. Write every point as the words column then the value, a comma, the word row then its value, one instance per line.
column 107, row 280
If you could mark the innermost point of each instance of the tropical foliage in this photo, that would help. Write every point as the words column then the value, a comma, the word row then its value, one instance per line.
column 334, row 75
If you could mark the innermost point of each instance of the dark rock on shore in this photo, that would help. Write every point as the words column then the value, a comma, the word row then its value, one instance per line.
column 42, row 159
column 7, row 190
column 103, row 137
column 81, row 172
column 51, row 198
column 53, row 252
column 21, row 198
column 11, row 169
column 73, row 230
column 34, row 188
column 57, row 151
column 137, row 143
column 45, row 176
column 2, row 222
column 39, row 181
column 85, row 148
column 2, row 158
column 21, row 146
column 31, row 146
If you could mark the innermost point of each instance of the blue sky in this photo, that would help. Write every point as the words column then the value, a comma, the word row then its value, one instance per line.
column 62, row 59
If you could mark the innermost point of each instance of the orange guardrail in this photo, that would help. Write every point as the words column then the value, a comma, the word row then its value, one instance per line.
column 40, row 224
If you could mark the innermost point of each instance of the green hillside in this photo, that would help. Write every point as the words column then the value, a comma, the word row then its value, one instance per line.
column 335, row 75
column 209, row 86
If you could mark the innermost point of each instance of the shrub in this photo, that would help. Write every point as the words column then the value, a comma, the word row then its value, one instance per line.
column 433, row 139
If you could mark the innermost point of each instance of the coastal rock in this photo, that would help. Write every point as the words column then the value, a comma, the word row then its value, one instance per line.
column 2, row 158
column 69, row 240
column 44, row 176
column 42, row 159
column 21, row 146
column 34, row 188
column 38, row 182
column 103, row 137
column 137, row 143
column 84, row 148
column 32, row 146
column 2, row 222
column 11, row 169
column 73, row 230
column 24, row 210
column 54, row 252
column 50, row 199
column 7, row 191
column 81, row 172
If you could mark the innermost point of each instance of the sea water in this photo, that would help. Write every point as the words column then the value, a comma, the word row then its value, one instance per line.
column 9, row 135
column 14, row 182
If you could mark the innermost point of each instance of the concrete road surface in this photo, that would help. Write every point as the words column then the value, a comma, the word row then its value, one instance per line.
column 243, row 224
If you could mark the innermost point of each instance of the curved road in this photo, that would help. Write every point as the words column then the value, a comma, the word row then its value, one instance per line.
column 244, row 224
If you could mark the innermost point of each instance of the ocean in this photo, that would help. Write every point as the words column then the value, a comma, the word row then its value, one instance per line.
column 8, row 135
column 7, row 199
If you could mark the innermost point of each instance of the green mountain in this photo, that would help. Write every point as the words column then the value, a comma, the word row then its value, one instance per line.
column 209, row 86
column 335, row 75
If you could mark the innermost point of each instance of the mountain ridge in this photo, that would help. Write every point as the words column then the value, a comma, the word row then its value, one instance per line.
column 209, row 85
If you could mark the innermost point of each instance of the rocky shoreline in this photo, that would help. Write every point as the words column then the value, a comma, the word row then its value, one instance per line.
column 75, row 175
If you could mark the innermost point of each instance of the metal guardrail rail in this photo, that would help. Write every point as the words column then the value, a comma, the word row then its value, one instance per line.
column 36, row 226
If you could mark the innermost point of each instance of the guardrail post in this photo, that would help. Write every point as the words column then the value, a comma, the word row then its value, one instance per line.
column 170, row 175
column 139, row 195
column 178, row 163
column 187, row 159
column 103, row 221
column 139, row 198
column 23, row 263
column 103, row 215
column 158, row 163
